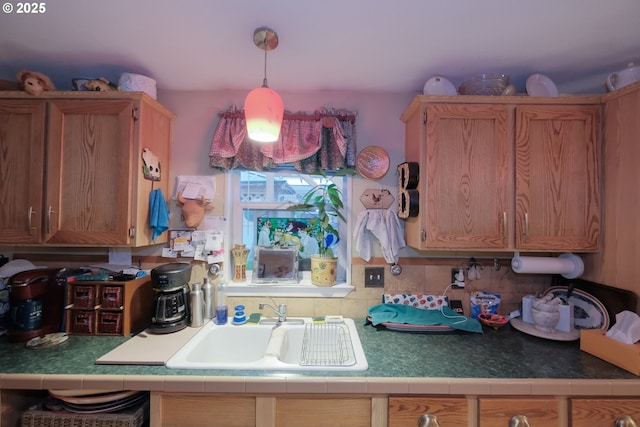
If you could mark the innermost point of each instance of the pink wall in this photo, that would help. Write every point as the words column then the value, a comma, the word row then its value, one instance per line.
column 378, row 123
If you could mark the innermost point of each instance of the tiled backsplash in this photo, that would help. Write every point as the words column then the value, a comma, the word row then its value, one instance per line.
column 416, row 277
column 423, row 279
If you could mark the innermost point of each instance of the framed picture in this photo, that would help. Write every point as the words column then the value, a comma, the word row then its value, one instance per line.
column 288, row 233
column 275, row 265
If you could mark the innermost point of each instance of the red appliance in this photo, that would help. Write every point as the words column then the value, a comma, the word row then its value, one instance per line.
column 36, row 300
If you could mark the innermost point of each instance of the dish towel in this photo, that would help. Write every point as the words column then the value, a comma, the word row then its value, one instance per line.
column 384, row 225
column 399, row 313
column 158, row 214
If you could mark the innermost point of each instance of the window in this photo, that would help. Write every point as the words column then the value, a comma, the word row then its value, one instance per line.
column 257, row 209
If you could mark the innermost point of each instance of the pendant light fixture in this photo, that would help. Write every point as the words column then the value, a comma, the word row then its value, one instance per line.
column 263, row 107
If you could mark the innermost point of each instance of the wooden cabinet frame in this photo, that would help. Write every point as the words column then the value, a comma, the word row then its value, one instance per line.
column 75, row 169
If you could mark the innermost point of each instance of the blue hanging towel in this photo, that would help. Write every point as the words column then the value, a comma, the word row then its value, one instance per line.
column 158, row 213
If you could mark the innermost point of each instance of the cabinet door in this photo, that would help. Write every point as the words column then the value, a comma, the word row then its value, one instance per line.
column 603, row 412
column 468, row 161
column 89, row 172
column 557, row 178
column 405, row 411
column 21, row 170
column 542, row 412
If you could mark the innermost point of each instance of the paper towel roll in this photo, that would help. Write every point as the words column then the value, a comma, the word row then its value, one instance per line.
column 568, row 265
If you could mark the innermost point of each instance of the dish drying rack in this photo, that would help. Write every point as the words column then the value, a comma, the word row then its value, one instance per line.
column 327, row 345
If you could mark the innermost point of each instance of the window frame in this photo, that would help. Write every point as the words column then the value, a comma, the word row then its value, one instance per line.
column 304, row 288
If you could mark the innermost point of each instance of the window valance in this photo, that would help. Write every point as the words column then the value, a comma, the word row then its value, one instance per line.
column 310, row 142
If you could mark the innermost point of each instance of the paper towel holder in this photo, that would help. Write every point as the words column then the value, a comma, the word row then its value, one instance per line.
column 577, row 265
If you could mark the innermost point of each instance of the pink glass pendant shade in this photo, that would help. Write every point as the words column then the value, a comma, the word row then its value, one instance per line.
column 264, row 110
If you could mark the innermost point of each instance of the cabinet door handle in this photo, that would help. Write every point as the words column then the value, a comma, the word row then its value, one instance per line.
column 423, row 235
column 504, row 225
column 625, row 421
column 29, row 216
column 428, row 420
column 526, row 225
column 49, row 212
column 519, row 421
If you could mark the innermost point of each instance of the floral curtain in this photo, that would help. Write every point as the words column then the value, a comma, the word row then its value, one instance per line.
column 310, row 142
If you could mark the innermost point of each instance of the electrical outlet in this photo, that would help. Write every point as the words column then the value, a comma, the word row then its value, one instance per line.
column 456, row 275
column 374, row 277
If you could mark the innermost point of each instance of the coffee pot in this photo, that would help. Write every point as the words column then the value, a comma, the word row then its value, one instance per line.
column 36, row 303
column 172, row 306
column 624, row 77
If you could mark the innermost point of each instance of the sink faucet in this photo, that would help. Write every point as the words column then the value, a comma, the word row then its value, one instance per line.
column 281, row 311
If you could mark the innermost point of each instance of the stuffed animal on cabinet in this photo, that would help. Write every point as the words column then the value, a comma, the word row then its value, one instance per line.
column 34, row 83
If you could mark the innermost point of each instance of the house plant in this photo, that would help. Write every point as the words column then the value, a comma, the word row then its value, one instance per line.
column 324, row 202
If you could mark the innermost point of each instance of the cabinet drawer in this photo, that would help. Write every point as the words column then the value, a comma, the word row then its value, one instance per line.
column 541, row 412
column 82, row 321
column 405, row 411
column 111, row 296
column 110, row 322
column 83, row 296
column 602, row 412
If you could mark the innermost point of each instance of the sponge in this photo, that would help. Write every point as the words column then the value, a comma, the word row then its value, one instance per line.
column 254, row 318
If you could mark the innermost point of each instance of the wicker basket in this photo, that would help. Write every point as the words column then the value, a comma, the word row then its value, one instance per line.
column 133, row 417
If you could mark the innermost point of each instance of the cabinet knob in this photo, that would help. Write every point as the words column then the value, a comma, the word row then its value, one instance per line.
column 625, row 421
column 519, row 421
column 428, row 420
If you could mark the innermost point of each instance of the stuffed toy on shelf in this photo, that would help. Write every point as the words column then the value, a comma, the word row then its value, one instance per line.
column 32, row 82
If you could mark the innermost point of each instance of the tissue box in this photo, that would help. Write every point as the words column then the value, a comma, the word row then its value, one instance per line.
column 626, row 356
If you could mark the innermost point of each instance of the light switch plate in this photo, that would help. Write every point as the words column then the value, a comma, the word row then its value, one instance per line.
column 374, row 277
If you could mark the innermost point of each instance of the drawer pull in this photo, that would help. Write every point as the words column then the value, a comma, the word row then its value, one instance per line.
column 428, row 420
column 519, row 421
column 625, row 421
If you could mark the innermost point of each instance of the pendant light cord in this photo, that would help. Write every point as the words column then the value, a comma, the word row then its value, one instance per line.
column 264, row 82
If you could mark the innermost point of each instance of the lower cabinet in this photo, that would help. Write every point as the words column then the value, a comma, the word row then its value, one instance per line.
column 308, row 410
column 604, row 412
column 182, row 409
column 406, row 411
column 225, row 410
column 539, row 412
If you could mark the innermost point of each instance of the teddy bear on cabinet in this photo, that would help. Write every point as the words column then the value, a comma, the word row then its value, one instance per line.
column 34, row 83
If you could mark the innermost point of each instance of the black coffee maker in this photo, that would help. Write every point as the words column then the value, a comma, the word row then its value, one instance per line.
column 171, row 307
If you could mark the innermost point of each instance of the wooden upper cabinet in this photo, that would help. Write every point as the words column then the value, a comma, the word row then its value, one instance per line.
column 497, row 175
column 89, row 168
column 91, row 189
column 467, row 165
column 557, row 178
column 22, row 127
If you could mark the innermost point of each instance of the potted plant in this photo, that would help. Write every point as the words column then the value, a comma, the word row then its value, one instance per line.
column 324, row 201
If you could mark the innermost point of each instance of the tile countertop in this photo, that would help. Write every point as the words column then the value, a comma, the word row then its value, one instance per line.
column 395, row 358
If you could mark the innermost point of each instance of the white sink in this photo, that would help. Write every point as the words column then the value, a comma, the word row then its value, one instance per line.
column 330, row 347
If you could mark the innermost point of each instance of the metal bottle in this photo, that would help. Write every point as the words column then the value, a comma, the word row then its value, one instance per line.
column 209, row 306
column 197, row 305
